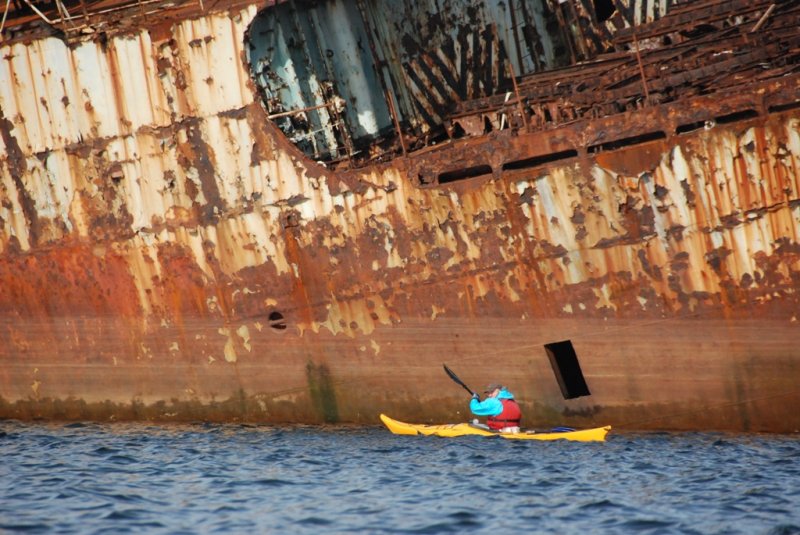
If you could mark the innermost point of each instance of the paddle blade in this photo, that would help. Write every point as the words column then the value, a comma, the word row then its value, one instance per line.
column 455, row 378
column 452, row 375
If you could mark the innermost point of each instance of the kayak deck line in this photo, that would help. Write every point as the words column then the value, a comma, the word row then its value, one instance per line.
column 597, row 434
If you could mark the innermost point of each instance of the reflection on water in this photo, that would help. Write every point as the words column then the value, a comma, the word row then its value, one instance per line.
column 87, row 478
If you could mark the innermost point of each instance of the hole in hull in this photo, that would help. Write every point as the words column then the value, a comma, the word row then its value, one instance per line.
column 567, row 369
column 627, row 142
column 738, row 116
column 277, row 321
column 784, row 107
column 689, row 127
column 538, row 161
column 462, row 174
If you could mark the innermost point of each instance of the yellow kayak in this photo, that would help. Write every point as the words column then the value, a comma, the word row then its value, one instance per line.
column 598, row 434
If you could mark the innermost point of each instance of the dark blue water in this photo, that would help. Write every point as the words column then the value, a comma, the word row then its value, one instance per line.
column 238, row 479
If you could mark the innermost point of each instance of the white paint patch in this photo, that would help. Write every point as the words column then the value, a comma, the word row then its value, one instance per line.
column 244, row 334
column 229, row 350
column 604, row 297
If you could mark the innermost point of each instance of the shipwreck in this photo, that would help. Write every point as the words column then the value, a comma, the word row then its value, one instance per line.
column 297, row 211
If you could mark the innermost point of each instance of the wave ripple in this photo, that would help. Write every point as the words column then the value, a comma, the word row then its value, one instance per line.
column 90, row 478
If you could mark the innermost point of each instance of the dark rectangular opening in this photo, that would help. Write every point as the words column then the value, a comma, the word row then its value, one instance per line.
column 467, row 172
column 567, row 369
column 738, row 116
column 537, row 161
column 690, row 127
column 628, row 141
column 784, row 107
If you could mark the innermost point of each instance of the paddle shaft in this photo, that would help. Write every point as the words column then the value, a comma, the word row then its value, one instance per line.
column 455, row 378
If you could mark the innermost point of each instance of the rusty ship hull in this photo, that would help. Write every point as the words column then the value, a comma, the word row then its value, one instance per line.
column 197, row 225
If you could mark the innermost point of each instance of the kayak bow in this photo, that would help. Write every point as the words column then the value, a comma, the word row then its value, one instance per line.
column 597, row 434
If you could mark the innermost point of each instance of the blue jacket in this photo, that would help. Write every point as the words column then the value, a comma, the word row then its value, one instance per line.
column 490, row 406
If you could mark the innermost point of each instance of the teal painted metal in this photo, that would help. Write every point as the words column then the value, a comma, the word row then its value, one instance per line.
column 341, row 66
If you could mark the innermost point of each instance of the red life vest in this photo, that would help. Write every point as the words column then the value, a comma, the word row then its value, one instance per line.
column 510, row 417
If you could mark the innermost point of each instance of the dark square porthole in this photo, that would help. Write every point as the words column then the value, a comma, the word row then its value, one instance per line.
column 567, row 369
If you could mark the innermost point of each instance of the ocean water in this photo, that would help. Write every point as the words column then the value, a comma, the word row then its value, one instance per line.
column 138, row 478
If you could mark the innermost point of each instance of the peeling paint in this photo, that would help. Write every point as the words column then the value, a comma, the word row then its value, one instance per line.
column 154, row 220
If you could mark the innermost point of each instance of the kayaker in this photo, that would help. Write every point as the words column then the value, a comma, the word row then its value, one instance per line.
column 503, row 413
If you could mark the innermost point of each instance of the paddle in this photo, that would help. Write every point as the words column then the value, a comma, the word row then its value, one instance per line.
column 455, row 378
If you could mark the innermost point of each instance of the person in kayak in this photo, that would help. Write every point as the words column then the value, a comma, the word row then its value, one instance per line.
column 503, row 412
